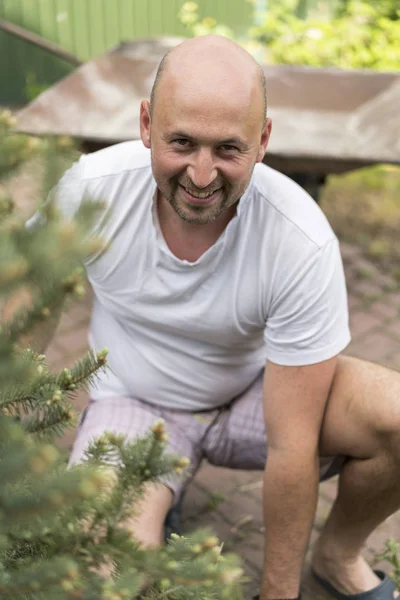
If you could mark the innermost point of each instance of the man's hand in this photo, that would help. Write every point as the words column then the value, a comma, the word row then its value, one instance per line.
column 295, row 399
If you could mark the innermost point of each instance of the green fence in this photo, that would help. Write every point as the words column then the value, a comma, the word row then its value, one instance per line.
column 88, row 28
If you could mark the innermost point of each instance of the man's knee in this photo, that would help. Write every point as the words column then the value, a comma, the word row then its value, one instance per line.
column 379, row 388
column 363, row 414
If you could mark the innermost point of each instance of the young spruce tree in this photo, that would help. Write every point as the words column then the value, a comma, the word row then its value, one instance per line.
column 62, row 529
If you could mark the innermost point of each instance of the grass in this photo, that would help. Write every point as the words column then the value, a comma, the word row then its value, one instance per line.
column 363, row 207
column 391, row 555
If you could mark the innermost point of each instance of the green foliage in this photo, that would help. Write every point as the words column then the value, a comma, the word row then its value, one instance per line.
column 33, row 88
column 386, row 8
column 356, row 34
column 360, row 35
column 190, row 17
column 364, row 207
column 64, row 533
column 391, row 554
column 60, row 529
column 43, row 261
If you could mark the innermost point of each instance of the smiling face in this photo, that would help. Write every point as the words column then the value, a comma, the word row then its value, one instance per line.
column 206, row 132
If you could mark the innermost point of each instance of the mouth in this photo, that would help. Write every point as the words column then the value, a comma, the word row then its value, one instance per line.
column 199, row 197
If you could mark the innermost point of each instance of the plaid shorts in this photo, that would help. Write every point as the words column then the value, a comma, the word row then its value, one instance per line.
column 230, row 436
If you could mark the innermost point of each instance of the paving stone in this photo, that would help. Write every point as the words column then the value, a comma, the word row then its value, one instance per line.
column 349, row 251
column 252, row 587
column 366, row 289
column 394, row 298
column 196, row 501
column 322, row 512
column 69, row 360
column 251, row 548
column 356, row 349
column 387, row 283
column 352, row 276
column 76, row 317
column 220, row 479
column 54, row 355
column 369, row 290
column 364, row 264
column 329, row 488
column 393, row 362
column 362, row 283
column 384, row 309
column 66, row 441
column 221, row 528
column 238, row 507
column 362, row 322
column 394, row 328
column 253, row 488
column 376, row 346
column 354, row 303
column 73, row 342
column 370, row 556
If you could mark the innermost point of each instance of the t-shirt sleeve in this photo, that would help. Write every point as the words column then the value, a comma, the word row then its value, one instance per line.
column 308, row 319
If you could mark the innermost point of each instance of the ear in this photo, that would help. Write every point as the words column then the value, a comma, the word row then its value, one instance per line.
column 145, row 122
column 266, row 132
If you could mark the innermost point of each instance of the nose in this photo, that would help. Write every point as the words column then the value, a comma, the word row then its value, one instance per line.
column 202, row 170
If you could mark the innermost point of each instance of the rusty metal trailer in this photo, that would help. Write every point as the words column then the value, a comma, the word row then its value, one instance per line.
column 325, row 120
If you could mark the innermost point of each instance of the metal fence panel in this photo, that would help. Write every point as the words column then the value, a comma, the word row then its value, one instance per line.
column 88, row 28
column 23, row 67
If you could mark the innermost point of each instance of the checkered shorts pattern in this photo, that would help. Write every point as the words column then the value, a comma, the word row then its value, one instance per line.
column 230, row 436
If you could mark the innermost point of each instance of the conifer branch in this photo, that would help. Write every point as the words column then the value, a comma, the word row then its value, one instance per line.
column 61, row 528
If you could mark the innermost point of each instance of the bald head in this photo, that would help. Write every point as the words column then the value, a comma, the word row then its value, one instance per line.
column 209, row 62
column 206, row 128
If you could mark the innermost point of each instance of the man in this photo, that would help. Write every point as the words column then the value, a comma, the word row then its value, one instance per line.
column 222, row 301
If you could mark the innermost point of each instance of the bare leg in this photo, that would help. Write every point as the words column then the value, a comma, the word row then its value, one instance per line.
column 148, row 526
column 362, row 421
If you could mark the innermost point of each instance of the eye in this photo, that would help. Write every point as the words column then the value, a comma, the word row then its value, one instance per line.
column 228, row 148
column 181, row 142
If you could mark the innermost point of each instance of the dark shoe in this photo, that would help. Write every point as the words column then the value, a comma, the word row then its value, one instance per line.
column 383, row 591
column 173, row 519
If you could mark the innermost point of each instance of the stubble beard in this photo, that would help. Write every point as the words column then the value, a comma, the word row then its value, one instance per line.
column 200, row 215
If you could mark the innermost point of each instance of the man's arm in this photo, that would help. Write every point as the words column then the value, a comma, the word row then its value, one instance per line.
column 294, row 403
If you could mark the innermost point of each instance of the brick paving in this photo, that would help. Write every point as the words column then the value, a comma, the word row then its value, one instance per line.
column 230, row 501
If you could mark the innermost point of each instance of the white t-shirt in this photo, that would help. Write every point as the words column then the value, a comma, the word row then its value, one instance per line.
column 192, row 336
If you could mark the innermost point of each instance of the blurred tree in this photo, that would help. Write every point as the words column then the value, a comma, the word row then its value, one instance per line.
column 386, row 8
column 63, row 533
column 359, row 34
column 353, row 34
